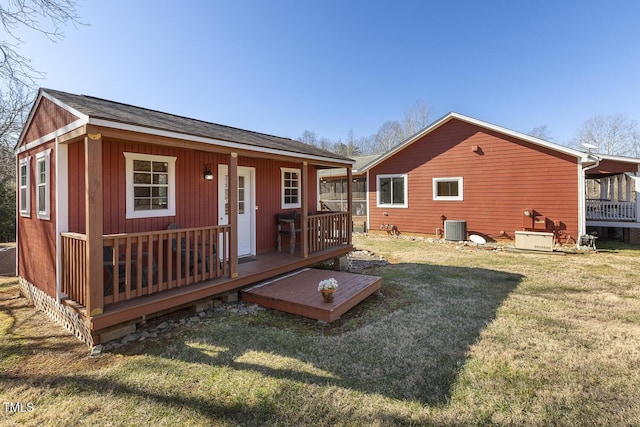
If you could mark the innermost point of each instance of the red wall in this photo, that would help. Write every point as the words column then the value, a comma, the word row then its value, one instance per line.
column 196, row 198
column 47, row 118
column 37, row 237
column 503, row 179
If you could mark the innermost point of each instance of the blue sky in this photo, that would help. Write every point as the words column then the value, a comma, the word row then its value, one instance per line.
column 283, row 67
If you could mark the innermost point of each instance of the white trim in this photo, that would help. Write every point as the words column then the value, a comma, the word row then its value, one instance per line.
column 584, row 158
column 43, row 157
column 460, row 195
column 223, row 170
column 62, row 207
column 213, row 141
column 53, row 135
column 27, row 211
column 284, row 205
column 368, row 202
column 405, row 204
column 171, row 202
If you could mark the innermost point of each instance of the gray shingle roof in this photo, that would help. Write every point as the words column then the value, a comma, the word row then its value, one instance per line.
column 97, row 108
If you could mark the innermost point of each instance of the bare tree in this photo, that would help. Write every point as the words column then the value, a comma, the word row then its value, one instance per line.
column 388, row 136
column 44, row 16
column 541, row 132
column 14, row 106
column 611, row 134
column 416, row 118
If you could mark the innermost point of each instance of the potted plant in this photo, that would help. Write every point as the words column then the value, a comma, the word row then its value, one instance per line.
column 327, row 287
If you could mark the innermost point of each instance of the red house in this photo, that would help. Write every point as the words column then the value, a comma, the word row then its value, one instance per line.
column 124, row 212
column 497, row 182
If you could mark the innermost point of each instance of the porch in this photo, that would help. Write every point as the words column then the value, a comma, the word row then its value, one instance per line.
column 149, row 272
column 612, row 201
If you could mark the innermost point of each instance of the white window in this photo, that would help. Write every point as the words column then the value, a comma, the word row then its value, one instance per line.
column 290, row 188
column 150, row 185
column 43, row 184
column 24, row 179
column 447, row 188
column 392, row 191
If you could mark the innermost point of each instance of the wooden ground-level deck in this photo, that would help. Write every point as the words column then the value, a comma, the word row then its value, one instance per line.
column 259, row 268
column 297, row 293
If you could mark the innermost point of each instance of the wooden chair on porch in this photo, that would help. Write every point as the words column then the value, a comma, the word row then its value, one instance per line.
column 288, row 225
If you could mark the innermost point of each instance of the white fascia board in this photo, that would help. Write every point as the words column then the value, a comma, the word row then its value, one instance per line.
column 212, row 141
column 452, row 115
column 53, row 135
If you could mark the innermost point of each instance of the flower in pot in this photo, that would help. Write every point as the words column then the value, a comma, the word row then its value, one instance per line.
column 327, row 287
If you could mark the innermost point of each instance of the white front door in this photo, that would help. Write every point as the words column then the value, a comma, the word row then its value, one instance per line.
column 246, row 206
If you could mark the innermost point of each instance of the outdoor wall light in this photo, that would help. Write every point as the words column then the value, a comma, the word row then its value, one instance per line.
column 208, row 175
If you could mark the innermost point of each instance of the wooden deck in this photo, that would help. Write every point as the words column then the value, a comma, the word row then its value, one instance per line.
column 256, row 269
column 297, row 293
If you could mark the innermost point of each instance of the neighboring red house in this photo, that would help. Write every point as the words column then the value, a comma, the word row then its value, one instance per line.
column 496, row 180
column 124, row 212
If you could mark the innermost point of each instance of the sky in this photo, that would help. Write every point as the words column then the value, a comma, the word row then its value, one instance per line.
column 334, row 66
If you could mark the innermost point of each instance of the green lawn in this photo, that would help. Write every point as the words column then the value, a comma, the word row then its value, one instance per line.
column 462, row 336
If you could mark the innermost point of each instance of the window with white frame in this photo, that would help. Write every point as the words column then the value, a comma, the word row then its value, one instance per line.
column 150, row 185
column 24, row 186
column 43, row 184
column 392, row 191
column 290, row 188
column 447, row 188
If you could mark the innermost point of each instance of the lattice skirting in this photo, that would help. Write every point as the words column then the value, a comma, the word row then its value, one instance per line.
column 60, row 313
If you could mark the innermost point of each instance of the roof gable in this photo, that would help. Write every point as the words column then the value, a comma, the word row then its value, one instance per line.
column 456, row 116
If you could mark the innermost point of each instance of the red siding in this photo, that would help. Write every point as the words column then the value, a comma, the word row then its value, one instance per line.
column 47, row 118
column 37, row 237
column 503, row 179
column 196, row 198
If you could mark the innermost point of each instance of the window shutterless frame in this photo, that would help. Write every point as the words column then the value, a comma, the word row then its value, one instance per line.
column 450, row 188
column 150, row 185
column 24, row 186
column 392, row 191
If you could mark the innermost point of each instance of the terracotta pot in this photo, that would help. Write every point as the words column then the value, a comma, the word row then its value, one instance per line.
column 327, row 295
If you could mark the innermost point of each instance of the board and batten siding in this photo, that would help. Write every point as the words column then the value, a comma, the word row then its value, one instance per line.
column 37, row 237
column 196, row 198
column 47, row 118
column 502, row 178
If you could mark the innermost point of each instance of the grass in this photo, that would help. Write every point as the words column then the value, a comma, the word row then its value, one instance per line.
column 462, row 336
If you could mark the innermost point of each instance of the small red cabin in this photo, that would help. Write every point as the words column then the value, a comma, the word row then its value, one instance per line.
column 124, row 212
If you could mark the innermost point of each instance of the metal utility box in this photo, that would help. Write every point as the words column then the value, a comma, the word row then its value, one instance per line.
column 455, row 230
column 534, row 240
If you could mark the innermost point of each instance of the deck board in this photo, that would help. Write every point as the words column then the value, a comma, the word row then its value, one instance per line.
column 297, row 293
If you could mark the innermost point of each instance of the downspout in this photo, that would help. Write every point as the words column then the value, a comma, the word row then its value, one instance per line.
column 368, row 204
column 582, row 201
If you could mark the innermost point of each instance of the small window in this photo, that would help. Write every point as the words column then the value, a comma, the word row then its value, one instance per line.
column 43, row 185
column 290, row 188
column 150, row 182
column 25, row 187
column 392, row 191
column 447, row 188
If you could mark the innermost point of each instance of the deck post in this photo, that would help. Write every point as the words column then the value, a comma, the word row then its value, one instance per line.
column 349, row 224
column 94, row 302
column 233, row 215
column 304, row 200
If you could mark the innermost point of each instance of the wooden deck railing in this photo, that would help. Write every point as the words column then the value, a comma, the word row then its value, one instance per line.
column 74, row 266
column 139, row 264
column 159, row 260
column 327, row 230
column 605, row 210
